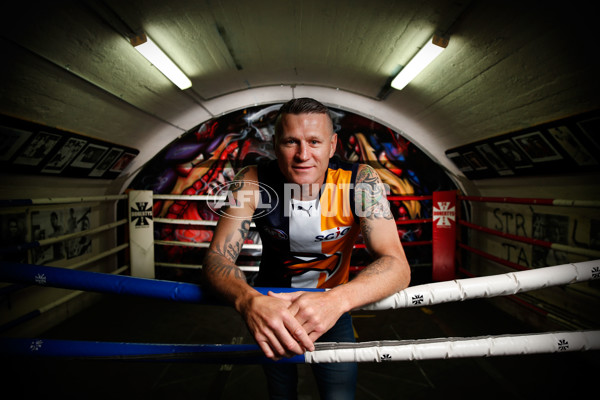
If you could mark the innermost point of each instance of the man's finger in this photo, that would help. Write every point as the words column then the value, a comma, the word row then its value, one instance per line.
column 266, row 349
column 276, row 345
column 299, row 335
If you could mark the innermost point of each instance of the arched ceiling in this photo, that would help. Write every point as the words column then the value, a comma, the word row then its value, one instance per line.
column 508, row 65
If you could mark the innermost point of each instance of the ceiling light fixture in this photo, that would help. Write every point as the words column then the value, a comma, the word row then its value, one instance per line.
column 422, row 59
column 159, row 59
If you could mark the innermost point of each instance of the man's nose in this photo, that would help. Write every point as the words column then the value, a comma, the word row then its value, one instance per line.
column 302, row 152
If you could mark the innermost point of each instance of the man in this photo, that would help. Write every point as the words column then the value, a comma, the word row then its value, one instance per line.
column 319, row 208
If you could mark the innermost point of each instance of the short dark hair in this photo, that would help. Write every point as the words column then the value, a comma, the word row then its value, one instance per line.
column 302, row 105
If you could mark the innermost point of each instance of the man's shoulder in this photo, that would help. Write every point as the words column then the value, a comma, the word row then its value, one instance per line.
column 246, row 173
column 365, row 172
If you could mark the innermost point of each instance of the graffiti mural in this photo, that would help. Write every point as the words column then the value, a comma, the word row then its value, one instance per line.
column 210, row 155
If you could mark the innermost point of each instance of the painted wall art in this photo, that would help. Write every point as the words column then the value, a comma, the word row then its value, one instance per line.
column 210, row 155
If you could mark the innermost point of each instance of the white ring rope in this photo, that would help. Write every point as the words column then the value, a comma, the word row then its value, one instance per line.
column 74, row 235
column 245, row 268
column 576, row 203
column 203, row 245
column 429, row 349
column 64, row 200
column 188, row 197
column 489, row 286
column 198, row 222
column 380, row 351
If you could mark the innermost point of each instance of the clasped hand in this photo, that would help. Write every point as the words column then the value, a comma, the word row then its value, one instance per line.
column 285, row 324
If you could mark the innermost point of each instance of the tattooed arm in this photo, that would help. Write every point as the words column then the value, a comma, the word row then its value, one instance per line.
column 274, row 328
column 386, row 275
column 389, row 272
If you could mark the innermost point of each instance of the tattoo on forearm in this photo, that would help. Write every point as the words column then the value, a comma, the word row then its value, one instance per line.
column 230, row 249
column 214, row 265
column 370, row 195
column 233, row 246
column 244, row 229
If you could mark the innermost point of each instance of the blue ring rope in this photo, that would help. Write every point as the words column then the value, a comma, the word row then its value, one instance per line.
column 149, row 352
column 118, row 284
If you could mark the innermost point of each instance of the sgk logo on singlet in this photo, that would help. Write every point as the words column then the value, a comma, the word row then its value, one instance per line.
column 332, row 234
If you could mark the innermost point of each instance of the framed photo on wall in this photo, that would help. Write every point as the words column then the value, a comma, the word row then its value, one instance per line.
column 513, row 155
column 27, row 147
column 107, row 161
column 89, row 156
column 65, row 155
column 572, row 146
column 591, row 128
column 493, row 159
column 11, row 139
column 460, row 162
column 122, row 163
column 476, row 160
column 41, row 145
column 537, row 148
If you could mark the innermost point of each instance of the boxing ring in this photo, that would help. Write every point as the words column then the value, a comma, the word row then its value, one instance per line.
column 429, row 294
column 454, row 290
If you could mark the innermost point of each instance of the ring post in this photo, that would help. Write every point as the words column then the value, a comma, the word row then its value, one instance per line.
column 141, row 234
column 444, row 235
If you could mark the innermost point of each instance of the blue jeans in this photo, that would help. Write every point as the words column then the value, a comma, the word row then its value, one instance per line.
column 335, row 381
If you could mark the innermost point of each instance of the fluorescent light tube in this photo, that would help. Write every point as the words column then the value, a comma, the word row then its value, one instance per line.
column 422, row 59
column 159, row 59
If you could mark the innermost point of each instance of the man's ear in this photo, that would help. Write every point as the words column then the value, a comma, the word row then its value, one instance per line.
column 333, row 145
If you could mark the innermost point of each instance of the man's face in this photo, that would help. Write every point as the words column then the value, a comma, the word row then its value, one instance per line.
column 304, row 148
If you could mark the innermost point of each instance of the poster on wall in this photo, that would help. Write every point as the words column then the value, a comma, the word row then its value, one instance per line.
column 55, row 223
column 537, row 148
column 64, row 156
column 78, row 220
column 11, row 139
column 13, row 232
column 106, row 162
column 550, row 228
column 90, row 156
column 41, row 145
column 45, row 225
